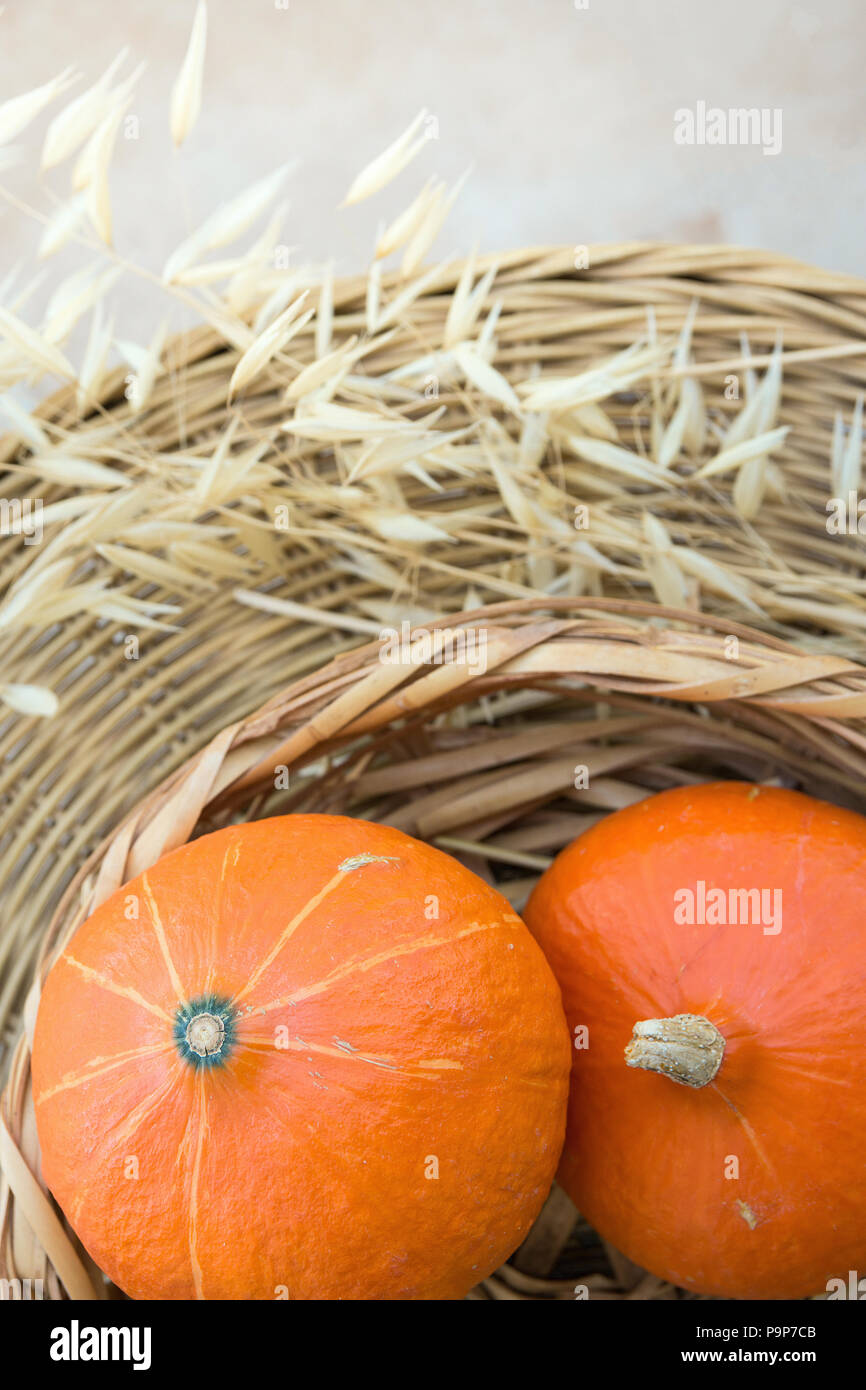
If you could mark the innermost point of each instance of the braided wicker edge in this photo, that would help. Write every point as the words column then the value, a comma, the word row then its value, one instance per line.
column 554, row 317
column 571, row 647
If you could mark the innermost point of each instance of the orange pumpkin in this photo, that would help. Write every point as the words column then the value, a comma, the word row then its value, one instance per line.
column 717, row 1118
column 307, row 1057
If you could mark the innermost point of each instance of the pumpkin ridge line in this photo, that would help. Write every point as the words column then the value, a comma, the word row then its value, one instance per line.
column 430, row 1071
column 201, row 1126
column 124, row 991
column 112, row 1140
column 136, row 1117
column 156, row 923
column 749, row 1131
column 363, row 963
column 288, row 932
column 91, row 1069
column 411, row 1069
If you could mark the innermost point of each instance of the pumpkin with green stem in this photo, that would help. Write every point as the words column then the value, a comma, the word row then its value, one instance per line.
column 306, row 1058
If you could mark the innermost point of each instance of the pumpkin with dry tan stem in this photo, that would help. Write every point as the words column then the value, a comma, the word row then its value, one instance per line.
column 307, row 1057
column 710, row 943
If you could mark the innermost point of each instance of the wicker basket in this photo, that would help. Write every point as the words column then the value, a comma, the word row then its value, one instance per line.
column 477, row 753
column 59, row 795
column 482, row 765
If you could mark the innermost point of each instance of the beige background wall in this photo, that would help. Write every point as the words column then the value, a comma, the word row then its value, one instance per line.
column 566, row 114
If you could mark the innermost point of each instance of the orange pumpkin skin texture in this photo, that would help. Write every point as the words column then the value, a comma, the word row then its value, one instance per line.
column 645, row 1156
column 366, row 1043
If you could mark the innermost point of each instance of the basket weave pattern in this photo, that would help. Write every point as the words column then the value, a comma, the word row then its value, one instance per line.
column 480, row 762
column 126, row 724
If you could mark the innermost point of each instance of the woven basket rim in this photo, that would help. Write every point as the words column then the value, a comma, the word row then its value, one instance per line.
column 822, row 694
column 359, row 657
column 530, row 638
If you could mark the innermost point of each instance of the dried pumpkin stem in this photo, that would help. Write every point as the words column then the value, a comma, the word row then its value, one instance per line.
column 687, row 1048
